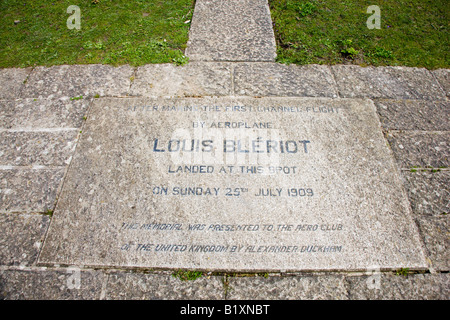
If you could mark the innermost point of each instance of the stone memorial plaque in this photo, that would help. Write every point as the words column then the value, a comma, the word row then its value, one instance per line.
column 241, row 184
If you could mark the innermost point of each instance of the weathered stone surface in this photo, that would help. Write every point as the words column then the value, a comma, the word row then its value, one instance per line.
column 12, row 81
column 414, row 114
column 231, row 30
column 78, row 80
column 435, row 233
column 191, row 80
column 386, row 82
column 428, row 192
column 397, row 287
column 29, row 190
column 273, row 79
column 44, row 284
column 131, row 198
column 42, row 113
column 443, row 76
column 24, row 148
column 139, row 286
column 21, row 237
column 326, row 287
column 415, row 149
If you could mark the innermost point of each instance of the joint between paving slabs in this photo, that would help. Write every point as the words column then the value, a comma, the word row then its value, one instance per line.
column 338, row 93
column 225, row 276
column 22, row 87
column 439, row 84
column 333, row 76
column 232, row 68
column 415, row 168
column 132, row 78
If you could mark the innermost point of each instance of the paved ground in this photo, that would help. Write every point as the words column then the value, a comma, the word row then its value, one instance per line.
column 43, row 110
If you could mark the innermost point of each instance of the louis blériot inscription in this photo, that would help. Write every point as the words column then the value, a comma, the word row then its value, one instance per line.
column 233, row 184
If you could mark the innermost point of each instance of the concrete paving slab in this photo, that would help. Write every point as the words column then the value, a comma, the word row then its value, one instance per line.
column 333, row 200
column 21, row 237
column 428, row 192
column 435, row 233
column 322, row 287
column 12, row 81
column 231, row 30
column 420, row 149
column 386, row 82
column 77, row 81
column 42, row 113
column 41, row 284
column 29, row 190
column 398, row 287
column 140, row 286
column 28, row 148
column 273, row 79
column 414, row 114
column 191, row 80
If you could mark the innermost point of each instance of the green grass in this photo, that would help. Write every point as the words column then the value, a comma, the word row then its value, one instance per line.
column 49, row 213
column 134, row 32
column 187, row 275
column 402, row 272
column 413, row 32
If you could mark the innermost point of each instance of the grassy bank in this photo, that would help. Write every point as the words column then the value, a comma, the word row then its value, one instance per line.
column 413, row 32
column 112, row 31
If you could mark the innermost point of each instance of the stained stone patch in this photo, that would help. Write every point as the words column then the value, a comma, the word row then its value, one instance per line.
column 12, row 81
column 273, row 79
column 191, row 80
column 29, row 190
column 386, row 82
column 233, row 184
column 42, row 113
column 76, row 81
column 139, row 286
column 231, row 30
column 21, row 238
column 414, row 114
column 417, row 149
